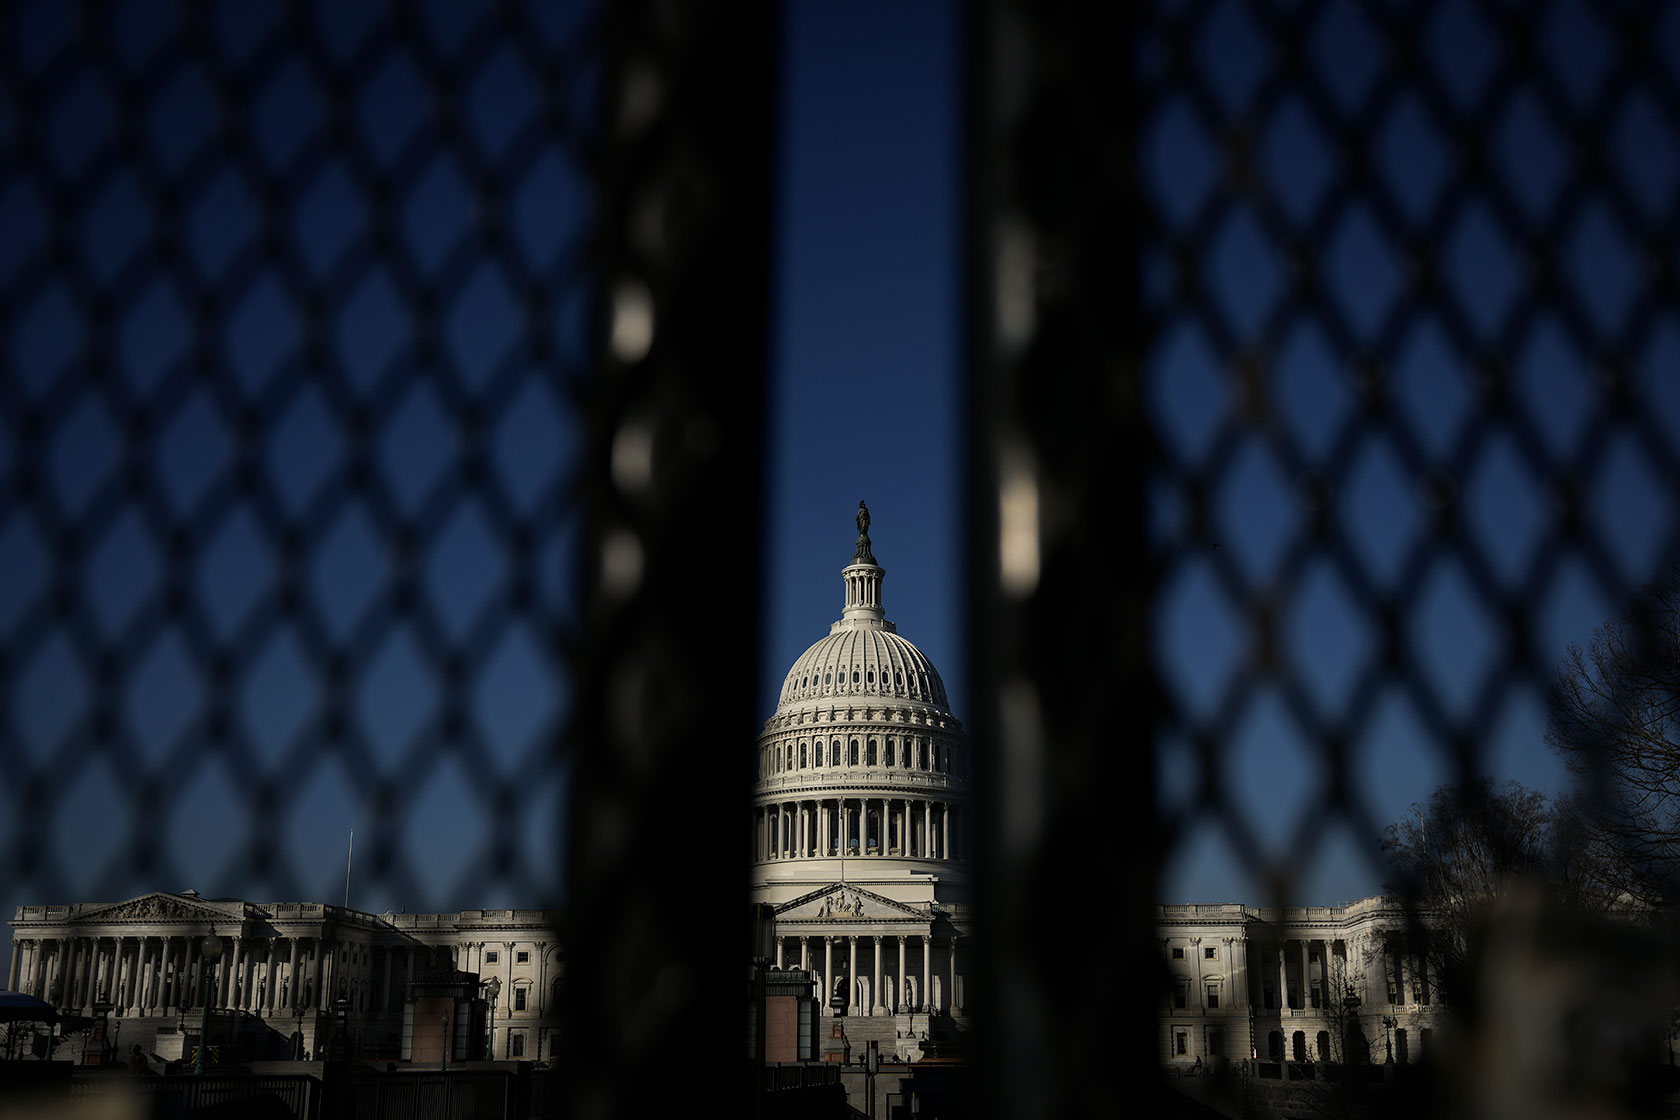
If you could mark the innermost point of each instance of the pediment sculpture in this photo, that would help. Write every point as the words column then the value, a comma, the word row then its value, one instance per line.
column 150, row 908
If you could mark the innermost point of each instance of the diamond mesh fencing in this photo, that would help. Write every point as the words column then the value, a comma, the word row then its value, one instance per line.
column 1325, row 389
column 296, row 303
column 348, row 349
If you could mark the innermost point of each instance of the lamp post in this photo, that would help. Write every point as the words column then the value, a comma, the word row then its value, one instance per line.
column 1389, row 1022
column 492, row 987
column 210, row 953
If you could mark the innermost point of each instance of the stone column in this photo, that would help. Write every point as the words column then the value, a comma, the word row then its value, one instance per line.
column 927, row 972
column 945, row 834
column 951, row 1000
column 877, row 1007
column 12, row 969
column 72, row 961
column 143, row 976
column 899, row 996
column 119, row 997
column 804, row 954
column 1306, row 975
column 195, row 971
column 49, row 970
column 852, row 979
column 271, row 986
column 1283, row 975
column 291, row 974
column 927, row 829
column 779, row 944
column 1324, row 975
column 828, row 976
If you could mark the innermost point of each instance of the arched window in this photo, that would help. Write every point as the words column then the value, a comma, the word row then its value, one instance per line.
column 854, row 752
column 828, row 678
column 1299, row 1044
column 871, row 676
column 898, row 680
column 892, row 749
column 1274, row 1046
column 779, row 765
column 1324, row 1046
column 854, row 676
column 870, row 758
column 803, row 761
column 816, row 754
column 836, row 756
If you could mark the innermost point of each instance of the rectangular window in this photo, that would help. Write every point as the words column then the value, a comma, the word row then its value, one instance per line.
column 490, row 957
column 519, row 1046
column 1181, row 1043
column 1213, row 995
column 1210, row 953
column 1215, row 1043
column 1178, row 952
column 1393, row 992
column 1181, row 993
column 522, row 957
column 519, row 999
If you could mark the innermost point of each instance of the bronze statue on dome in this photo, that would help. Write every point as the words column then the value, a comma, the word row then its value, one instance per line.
column 863, row 555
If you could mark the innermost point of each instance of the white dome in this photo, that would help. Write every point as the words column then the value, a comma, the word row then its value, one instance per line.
column 858, row 661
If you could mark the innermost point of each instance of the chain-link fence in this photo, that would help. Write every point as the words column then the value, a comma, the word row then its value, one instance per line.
column 1325, row 386
column 383, row 389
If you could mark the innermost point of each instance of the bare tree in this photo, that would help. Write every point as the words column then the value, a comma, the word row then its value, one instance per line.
column 1457, row 856
column 1615, row 720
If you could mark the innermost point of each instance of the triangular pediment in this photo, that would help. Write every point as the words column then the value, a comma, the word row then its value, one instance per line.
column 156, row 907
column 840, row 902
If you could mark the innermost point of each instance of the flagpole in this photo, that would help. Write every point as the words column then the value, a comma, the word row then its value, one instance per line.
column 350, row 855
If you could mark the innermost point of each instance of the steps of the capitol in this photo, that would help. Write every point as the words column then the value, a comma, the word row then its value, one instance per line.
column 899, row 1037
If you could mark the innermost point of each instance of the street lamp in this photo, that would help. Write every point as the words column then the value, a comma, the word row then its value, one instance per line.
column 493, row 987
column 210, row 952
column 1389, row 1021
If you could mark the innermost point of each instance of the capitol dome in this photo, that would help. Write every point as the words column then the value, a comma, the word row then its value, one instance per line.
column 860, row 817
column 862, row 755
column 864, row 657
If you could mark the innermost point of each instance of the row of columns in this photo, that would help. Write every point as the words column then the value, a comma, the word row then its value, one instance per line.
column 820, row 828
column 1391, row 962
column 163, row 974
column 908, row 992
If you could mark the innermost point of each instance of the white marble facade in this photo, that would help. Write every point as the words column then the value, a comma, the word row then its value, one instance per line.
column 1273, row 983
column 284, row 964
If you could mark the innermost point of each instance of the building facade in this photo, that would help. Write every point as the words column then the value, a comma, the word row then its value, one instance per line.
column 283, row 968
column 1275, row 984
column 860, row 820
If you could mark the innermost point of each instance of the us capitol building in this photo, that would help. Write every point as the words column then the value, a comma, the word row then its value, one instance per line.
column 859, row 842
column 860, row 821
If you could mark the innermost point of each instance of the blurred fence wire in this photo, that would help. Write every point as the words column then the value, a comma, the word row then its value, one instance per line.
column 383, row 389
column 1323, row 369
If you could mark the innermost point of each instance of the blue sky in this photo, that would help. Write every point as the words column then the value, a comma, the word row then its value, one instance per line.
column 1375, row 407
